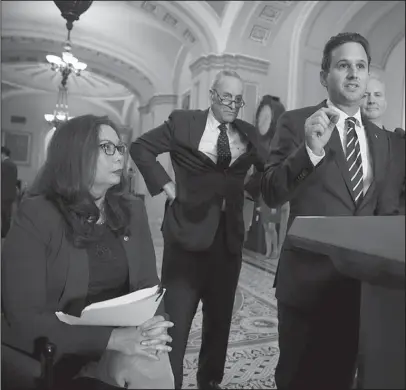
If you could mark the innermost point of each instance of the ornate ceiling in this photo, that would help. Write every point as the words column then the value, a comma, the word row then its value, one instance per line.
column 37, row 75
column 131, row 47
column 138, row 47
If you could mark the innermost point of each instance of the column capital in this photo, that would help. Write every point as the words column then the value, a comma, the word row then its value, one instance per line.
column 158, row 100
column 144, row 109
column 229, row 61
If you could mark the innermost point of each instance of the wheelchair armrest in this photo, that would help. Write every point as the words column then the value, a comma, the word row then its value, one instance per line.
column 21, row 371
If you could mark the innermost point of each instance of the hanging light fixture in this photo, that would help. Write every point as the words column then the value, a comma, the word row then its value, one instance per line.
column 68, row 63
column 61, row 111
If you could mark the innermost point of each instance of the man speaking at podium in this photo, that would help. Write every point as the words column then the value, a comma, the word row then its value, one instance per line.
column 326, row 160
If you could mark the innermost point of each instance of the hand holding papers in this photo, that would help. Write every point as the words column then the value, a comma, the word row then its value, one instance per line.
column 129, row 310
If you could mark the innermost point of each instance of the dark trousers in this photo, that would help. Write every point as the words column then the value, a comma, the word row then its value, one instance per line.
column 210, row 276
column 6, row 211
column 318, row 348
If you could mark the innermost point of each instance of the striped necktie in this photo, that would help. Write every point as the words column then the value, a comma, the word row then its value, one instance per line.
column 354, row 161
column 223, row 147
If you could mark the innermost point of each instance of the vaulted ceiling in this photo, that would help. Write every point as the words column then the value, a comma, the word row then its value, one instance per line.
column 135, row 48
column 131, row 47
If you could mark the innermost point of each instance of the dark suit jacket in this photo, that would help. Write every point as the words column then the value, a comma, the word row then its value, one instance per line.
column 304, row 277
column 8, row 180
column 398, row 161
column 42, row 273
column 201, row 186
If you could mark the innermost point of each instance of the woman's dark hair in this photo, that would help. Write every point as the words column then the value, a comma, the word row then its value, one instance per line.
column 67, row 177
column 339, row 40
column 5, row 151
column 277, row 109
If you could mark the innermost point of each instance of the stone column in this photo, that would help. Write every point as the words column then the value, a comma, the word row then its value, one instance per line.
column 252, row 70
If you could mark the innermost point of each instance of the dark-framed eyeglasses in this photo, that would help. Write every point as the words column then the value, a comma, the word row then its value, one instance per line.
column 110, row 149
column 227, row 101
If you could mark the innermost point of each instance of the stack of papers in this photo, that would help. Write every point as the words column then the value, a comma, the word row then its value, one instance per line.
column 128, row 310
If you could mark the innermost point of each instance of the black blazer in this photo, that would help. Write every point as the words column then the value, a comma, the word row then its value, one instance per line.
column 42, row 273
column 201, row 186
column 8, row 180
column 303, row 277
column 398, row 162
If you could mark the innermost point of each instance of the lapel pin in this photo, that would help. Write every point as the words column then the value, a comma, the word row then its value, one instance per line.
column 125, row 238
column 376, row 135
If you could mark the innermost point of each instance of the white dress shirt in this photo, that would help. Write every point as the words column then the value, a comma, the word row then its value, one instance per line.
column 363, row 144
column 208, row 143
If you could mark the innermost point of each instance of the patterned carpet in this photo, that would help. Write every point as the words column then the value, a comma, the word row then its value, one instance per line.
column 253, row 348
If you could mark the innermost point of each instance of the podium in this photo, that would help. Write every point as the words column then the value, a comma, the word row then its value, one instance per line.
column 372, row 250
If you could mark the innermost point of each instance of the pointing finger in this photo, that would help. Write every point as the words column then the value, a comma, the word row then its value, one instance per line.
column 332, row 114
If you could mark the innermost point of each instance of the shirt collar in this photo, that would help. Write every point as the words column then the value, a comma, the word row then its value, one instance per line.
column 344, row 116
column 213, row 122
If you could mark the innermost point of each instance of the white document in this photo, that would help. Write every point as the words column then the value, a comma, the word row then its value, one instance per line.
column 128, row 310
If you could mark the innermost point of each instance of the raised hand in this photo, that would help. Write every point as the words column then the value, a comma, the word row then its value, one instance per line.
column 319, row 127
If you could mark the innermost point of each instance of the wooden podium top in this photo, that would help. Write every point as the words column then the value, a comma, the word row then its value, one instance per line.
column 367, row 248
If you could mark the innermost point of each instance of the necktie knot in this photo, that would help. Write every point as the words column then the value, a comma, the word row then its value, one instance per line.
column 351, row 122
column 222, row 127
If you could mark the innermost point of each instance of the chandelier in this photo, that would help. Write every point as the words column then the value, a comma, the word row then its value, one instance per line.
column 61, row 111
column 68, row 63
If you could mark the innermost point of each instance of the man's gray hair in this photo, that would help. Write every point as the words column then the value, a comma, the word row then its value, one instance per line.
column 224, row 73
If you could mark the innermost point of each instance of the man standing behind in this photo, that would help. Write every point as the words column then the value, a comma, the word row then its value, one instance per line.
column 203, row 228
column 8, row 189
column 374, row 102
column 373, row 107
column 325, row 160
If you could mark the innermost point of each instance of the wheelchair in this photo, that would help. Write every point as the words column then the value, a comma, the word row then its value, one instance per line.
column 21, row 371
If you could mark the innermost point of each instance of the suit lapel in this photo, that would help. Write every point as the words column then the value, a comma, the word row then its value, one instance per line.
column 376, row 157
column 198, row 124
column 334, row 144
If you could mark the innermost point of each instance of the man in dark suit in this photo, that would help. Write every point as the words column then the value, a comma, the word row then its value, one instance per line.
column 325, row 160
column 203, row 228
column 8, row 189
column 373, row 107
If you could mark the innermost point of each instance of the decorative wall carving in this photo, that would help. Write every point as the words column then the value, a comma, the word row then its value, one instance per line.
column 168, row 18
column 149, row 6
column 270, row 13
column 160, row 11
column 229, row 61
column 259, row 34
column 163, row 99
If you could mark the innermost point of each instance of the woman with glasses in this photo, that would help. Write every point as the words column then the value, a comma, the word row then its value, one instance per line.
column 79, row 238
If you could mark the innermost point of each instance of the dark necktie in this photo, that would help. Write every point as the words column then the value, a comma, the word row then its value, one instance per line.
column 354, row 161
column 223, row 147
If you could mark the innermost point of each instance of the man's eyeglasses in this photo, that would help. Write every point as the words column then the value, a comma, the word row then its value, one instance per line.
column 110, row 149
column 227, row 101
